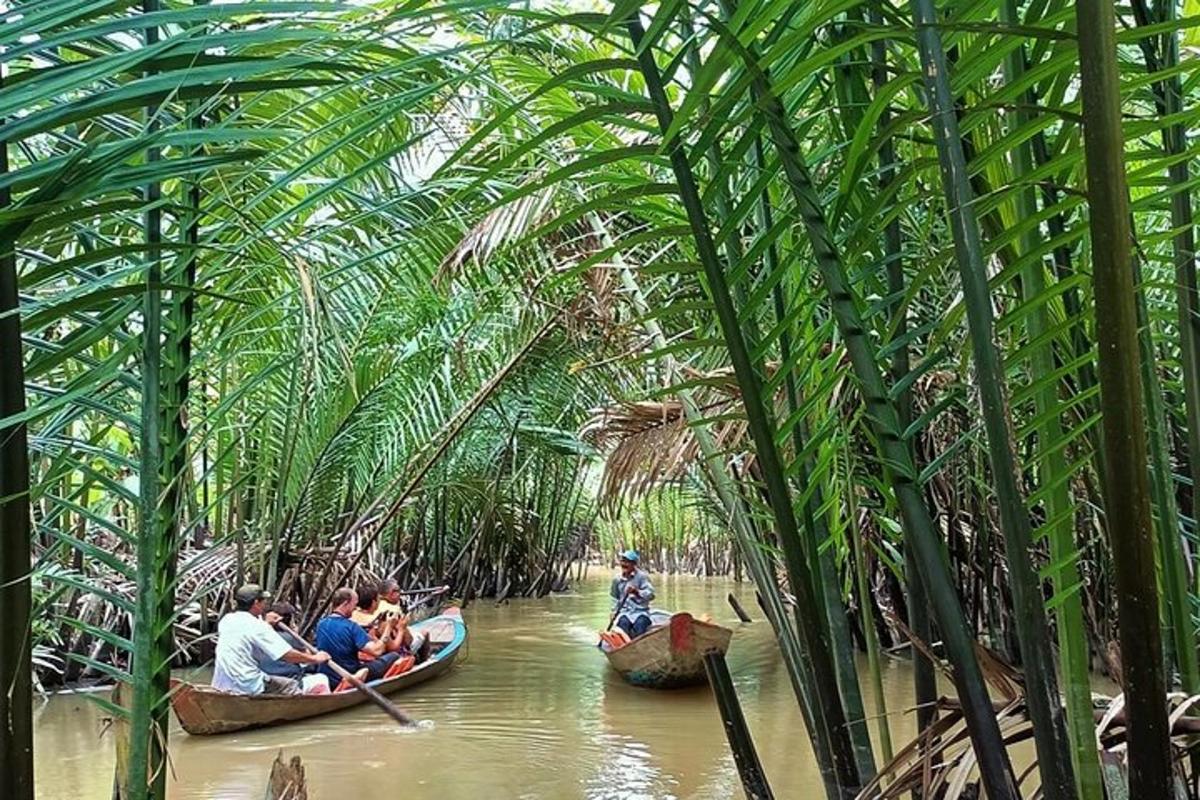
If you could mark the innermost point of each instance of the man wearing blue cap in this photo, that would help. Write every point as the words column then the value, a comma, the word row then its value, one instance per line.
column 632, row 593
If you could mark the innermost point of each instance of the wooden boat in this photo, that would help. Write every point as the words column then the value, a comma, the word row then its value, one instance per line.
column 670, row 654
column 203, row 710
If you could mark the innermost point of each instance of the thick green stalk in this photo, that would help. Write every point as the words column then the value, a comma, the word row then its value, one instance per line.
column 147, row 753
column 1168, row 93
column 921, row 537
column 1169, row 96
column 859, row 546
column 1064, row 270
column 1033, row 630
column 223, row 441
column 1177, row 607
column 1052, row 466
column 924, row 678
column 16, row 671
column 174, row 464
column 815, row 522
column 762, row 430
column 1126, row 479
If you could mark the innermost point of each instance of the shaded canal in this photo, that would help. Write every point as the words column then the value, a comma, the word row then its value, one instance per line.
column 530, row 711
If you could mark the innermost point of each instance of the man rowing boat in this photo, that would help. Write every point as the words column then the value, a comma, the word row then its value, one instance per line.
column 631, row 593
column 245, row 641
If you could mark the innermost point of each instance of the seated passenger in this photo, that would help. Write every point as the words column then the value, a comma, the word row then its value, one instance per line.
column 390, row 598
column 245, row 642
column 378, row 616
column 286, row 612
column 348, row 643
column 367, row 612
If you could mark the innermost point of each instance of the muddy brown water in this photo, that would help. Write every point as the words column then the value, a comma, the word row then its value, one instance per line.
column 531, row 710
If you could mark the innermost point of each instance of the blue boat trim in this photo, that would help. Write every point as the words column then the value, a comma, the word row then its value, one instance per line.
column 460, row 635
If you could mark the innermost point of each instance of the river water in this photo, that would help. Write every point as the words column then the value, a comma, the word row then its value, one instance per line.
column 530, row 710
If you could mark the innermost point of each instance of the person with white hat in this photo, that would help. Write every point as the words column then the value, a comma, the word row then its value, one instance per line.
column 631, row 593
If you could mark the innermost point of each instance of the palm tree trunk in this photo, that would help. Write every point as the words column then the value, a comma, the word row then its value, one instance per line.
column 1033, row 630
column 1168, row 94
column 16, row 671
column 1126, row 481
column 147, row 745
column 921, row 538
column 1052, row 470
column 924, row 679
column 759, row 421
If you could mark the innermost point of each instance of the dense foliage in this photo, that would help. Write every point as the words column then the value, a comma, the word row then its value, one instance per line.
column 306, row 292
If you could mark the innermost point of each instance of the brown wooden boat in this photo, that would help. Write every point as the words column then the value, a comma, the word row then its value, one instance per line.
column 203, row 710
column 670, row 654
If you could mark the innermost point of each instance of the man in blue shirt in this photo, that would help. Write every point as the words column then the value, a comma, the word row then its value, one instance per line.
column 343, row 639
column 631, row 593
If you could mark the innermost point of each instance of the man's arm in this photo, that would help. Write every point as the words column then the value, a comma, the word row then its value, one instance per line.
column 270, row 644
column 646, row 592
column 365, row 643
column 299, row 657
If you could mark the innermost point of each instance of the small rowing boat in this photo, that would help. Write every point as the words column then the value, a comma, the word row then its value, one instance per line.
column 203, row 710
column 670, row 654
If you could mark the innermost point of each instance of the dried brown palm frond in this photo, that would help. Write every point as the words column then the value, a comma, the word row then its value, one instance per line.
column 503, row 225
column 650, row 443
column 1004, row 679
column 939, row 763
column 594, row 309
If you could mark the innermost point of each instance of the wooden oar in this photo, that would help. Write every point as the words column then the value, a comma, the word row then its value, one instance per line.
column 432, row 589
column 387, row 705
column 613, row 618
column 424, row 601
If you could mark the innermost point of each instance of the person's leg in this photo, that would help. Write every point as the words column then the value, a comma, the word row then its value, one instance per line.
column 626, row 624
column 640, row 626
column 274, row 684
column 378, row 666
column 419, row 647
column 331, row 676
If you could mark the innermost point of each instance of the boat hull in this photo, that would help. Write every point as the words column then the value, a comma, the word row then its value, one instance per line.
column 670, row 656
column 204, row 711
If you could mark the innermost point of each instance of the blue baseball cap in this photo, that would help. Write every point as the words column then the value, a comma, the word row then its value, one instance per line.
column 630, row 555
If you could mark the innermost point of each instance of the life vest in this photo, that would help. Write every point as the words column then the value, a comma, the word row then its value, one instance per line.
column 401, row 666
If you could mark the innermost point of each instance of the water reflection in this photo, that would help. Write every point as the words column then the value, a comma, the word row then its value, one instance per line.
column 531, row 711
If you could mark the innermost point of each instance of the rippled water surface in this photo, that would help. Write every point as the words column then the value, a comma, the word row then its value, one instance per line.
column 530, row 711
